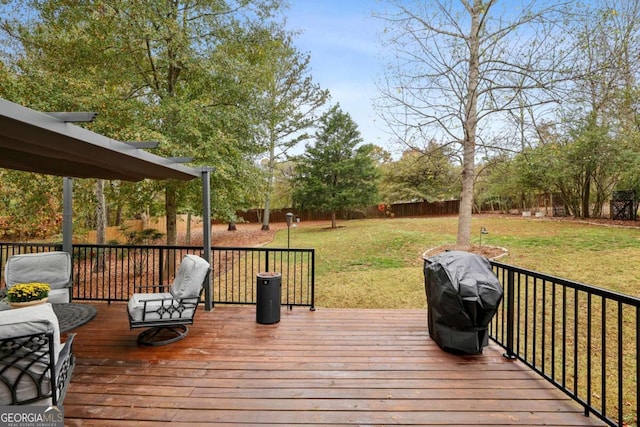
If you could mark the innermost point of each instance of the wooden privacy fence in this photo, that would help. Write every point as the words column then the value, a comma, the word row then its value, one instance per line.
column 396, row 210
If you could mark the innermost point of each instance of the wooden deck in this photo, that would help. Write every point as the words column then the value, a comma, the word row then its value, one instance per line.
column 328, row 367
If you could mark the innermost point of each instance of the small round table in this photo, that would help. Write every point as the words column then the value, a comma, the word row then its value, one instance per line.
column 71, row 315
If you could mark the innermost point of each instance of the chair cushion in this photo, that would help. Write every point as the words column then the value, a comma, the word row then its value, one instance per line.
column 59, row 296
column 190, row 277
column 52, row 268
column 30, row 320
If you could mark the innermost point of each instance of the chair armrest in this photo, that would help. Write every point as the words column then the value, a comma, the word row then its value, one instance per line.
column 168, row 302
column 151, row 309
column 64, row 369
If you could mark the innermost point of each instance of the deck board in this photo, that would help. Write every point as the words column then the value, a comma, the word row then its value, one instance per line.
column 327, row 367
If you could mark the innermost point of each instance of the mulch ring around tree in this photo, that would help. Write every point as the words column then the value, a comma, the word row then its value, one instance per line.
column 490, row 252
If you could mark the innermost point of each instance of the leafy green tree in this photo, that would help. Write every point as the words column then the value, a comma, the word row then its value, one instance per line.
column 337, row 172
column 583, row 166
column 587, row 167
column 420, row 175
column 287, row 106
column 598, row 138
column 282, row 190
column 166, row 71
column 630, row 165
column 30, row 205
column 496, row 184
column 533, row 175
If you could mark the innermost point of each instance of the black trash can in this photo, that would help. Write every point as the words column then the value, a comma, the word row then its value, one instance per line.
column 269, row 293
column 463, row 295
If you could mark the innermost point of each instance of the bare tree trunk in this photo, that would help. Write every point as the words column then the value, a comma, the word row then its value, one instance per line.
column 171, row 212
column 101, row 225
column 586, row 196
column 333, row 219
column 188, row 236
column 267, row 200
column 463, row 240
column 119, row 215
column 101, row 213
column 265, row 216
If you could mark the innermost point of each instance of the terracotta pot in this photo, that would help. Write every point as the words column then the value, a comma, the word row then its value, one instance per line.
column 28, row 303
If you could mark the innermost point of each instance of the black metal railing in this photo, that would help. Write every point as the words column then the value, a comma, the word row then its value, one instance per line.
column 114, row 272
column 583, row 339
column 235, row 271
column 8, row 249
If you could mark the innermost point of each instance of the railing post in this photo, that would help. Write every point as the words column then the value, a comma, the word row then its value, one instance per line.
column 313, row 280
column 510, row 315
column 266, row 260
column 161, row 266
column 67, row 215
column 206, row 235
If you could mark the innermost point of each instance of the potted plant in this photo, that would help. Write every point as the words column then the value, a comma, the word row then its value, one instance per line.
column 25, row 294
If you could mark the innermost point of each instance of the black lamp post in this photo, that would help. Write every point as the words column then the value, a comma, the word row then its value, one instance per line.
column 483, row 230
column 289, row 217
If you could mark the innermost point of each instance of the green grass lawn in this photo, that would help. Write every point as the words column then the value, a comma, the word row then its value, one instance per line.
column 377, row 263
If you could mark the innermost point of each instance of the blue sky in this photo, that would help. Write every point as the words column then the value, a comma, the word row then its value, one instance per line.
column 343, row 40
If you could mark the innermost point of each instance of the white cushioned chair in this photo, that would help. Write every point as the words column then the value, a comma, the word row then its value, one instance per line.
column 52, row 268
column 167, row 314
column 35, row 368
